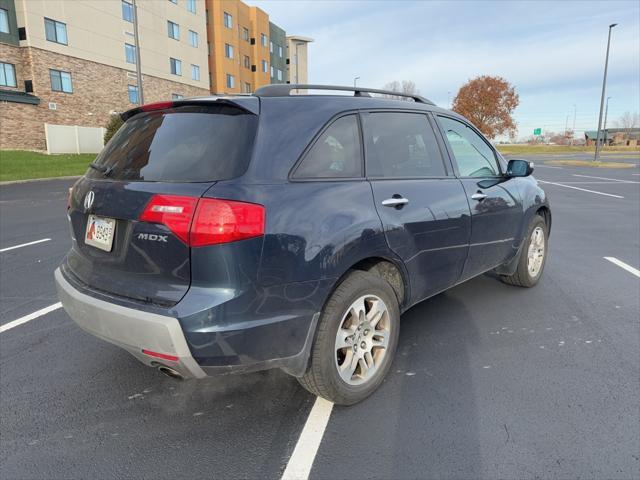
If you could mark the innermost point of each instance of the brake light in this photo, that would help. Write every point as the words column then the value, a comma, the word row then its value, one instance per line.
column 150, row 107
column 174, row 211
column 205, row 221
column 223, row 221
column 163, row 356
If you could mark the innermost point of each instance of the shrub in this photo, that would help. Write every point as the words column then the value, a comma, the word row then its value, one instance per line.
column 115, row 122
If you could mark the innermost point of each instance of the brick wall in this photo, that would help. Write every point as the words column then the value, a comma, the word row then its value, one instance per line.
column 98, row 90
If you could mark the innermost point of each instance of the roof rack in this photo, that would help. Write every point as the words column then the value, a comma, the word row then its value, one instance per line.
column 284, row 90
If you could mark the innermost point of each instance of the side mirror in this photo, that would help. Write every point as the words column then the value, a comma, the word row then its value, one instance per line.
column 519, row 168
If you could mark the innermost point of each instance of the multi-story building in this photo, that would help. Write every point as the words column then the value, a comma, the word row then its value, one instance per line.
column 74, row 62
column 297, row 54
column 277, row 54
column 246, row 50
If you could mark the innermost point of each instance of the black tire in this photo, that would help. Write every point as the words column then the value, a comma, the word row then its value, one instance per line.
column 322, row 377
column 522, row 276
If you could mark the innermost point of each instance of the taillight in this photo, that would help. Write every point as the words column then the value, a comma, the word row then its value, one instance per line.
column 174, row 211
column 205, row 221
column 223, row 221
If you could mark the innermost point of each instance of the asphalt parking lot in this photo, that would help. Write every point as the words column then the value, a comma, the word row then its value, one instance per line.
column 489, row 381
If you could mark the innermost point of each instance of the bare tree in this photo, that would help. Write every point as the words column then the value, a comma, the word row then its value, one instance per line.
column 405, row 86
column 628, row 121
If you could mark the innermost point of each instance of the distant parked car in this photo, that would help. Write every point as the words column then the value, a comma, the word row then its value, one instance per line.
column 242, row 233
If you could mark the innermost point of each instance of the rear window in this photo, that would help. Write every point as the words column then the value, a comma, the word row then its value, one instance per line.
column 181, row 144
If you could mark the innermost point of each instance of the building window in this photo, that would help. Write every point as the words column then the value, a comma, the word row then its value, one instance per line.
column 270, row 47
column 174, row 30
column 279, row 72
column 272, row 72
column 60, row 81
column 228, row 20
column 280, row 51
column 130, row 53
column 176, row 66
column 176, row 96
column 230, row 81
column 191, row 6
column 7, row 75
column 263, row 39
column 245, row 33
column 195, row 72
column 247, row 61
column 265, row 66
column 127, row 12
column 4, row 21
column 55, row 31
column 193, row 38
column 133, row 93
column 228, row 50
column 247, row 88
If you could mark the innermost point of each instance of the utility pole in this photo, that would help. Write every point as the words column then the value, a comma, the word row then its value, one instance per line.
column 604, row 85
column 138, row 65
column 573, row 134
column 604, row 128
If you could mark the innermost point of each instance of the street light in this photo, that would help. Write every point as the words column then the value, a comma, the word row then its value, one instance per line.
column 604, row 84
column 604, row 128
column 355, row 79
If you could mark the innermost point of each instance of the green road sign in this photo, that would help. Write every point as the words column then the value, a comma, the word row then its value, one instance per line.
column 537, row 131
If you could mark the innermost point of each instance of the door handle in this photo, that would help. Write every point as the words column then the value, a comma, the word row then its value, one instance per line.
column 479, row 196
column 395, row 201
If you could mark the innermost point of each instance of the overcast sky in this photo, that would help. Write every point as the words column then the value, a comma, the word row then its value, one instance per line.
column 553, row 52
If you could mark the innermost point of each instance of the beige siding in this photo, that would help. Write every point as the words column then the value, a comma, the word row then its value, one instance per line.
column 97, row 32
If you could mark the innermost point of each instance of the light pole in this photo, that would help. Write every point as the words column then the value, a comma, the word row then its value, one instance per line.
column 604, row 128
column 604, row 85
column 573, row 133
column 355, row 79
column 138, row 65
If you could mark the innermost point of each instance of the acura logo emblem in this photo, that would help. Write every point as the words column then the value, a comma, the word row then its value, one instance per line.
column 88, row 200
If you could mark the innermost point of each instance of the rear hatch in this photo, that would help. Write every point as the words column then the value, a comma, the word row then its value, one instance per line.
column 131, row 214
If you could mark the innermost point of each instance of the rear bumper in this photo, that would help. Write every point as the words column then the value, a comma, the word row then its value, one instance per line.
column 131, row 329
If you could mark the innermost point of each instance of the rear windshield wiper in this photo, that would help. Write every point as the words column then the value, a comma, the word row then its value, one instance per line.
column 106, row 171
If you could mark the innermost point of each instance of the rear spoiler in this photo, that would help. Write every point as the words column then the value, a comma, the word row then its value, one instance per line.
column 247, row 103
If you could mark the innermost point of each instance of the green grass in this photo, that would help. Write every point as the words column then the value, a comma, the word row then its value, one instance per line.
column 559, row 149
column 23, row 165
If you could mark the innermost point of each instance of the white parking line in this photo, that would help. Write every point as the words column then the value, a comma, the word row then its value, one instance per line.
column 605, row 178
column 582, row 189
column 623, row 265
column 24, row 245
column 301, row 461
column 595, row 182
column 31, row 316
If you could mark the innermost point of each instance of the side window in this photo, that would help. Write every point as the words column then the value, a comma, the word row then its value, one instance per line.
column 474, row 157
column 401, row 145
column 335, row 154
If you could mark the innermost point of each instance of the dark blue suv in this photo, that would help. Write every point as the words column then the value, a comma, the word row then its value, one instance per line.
column 242, row 233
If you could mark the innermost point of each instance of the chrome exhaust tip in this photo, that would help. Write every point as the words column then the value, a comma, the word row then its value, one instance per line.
column 170, row 372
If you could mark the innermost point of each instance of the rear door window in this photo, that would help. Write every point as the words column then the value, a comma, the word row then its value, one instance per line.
column 335, row 154
column 401, row 145
column 475, row 158
column 188, row 143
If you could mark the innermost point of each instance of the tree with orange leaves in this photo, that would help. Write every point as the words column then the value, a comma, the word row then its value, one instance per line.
column 488, row 103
